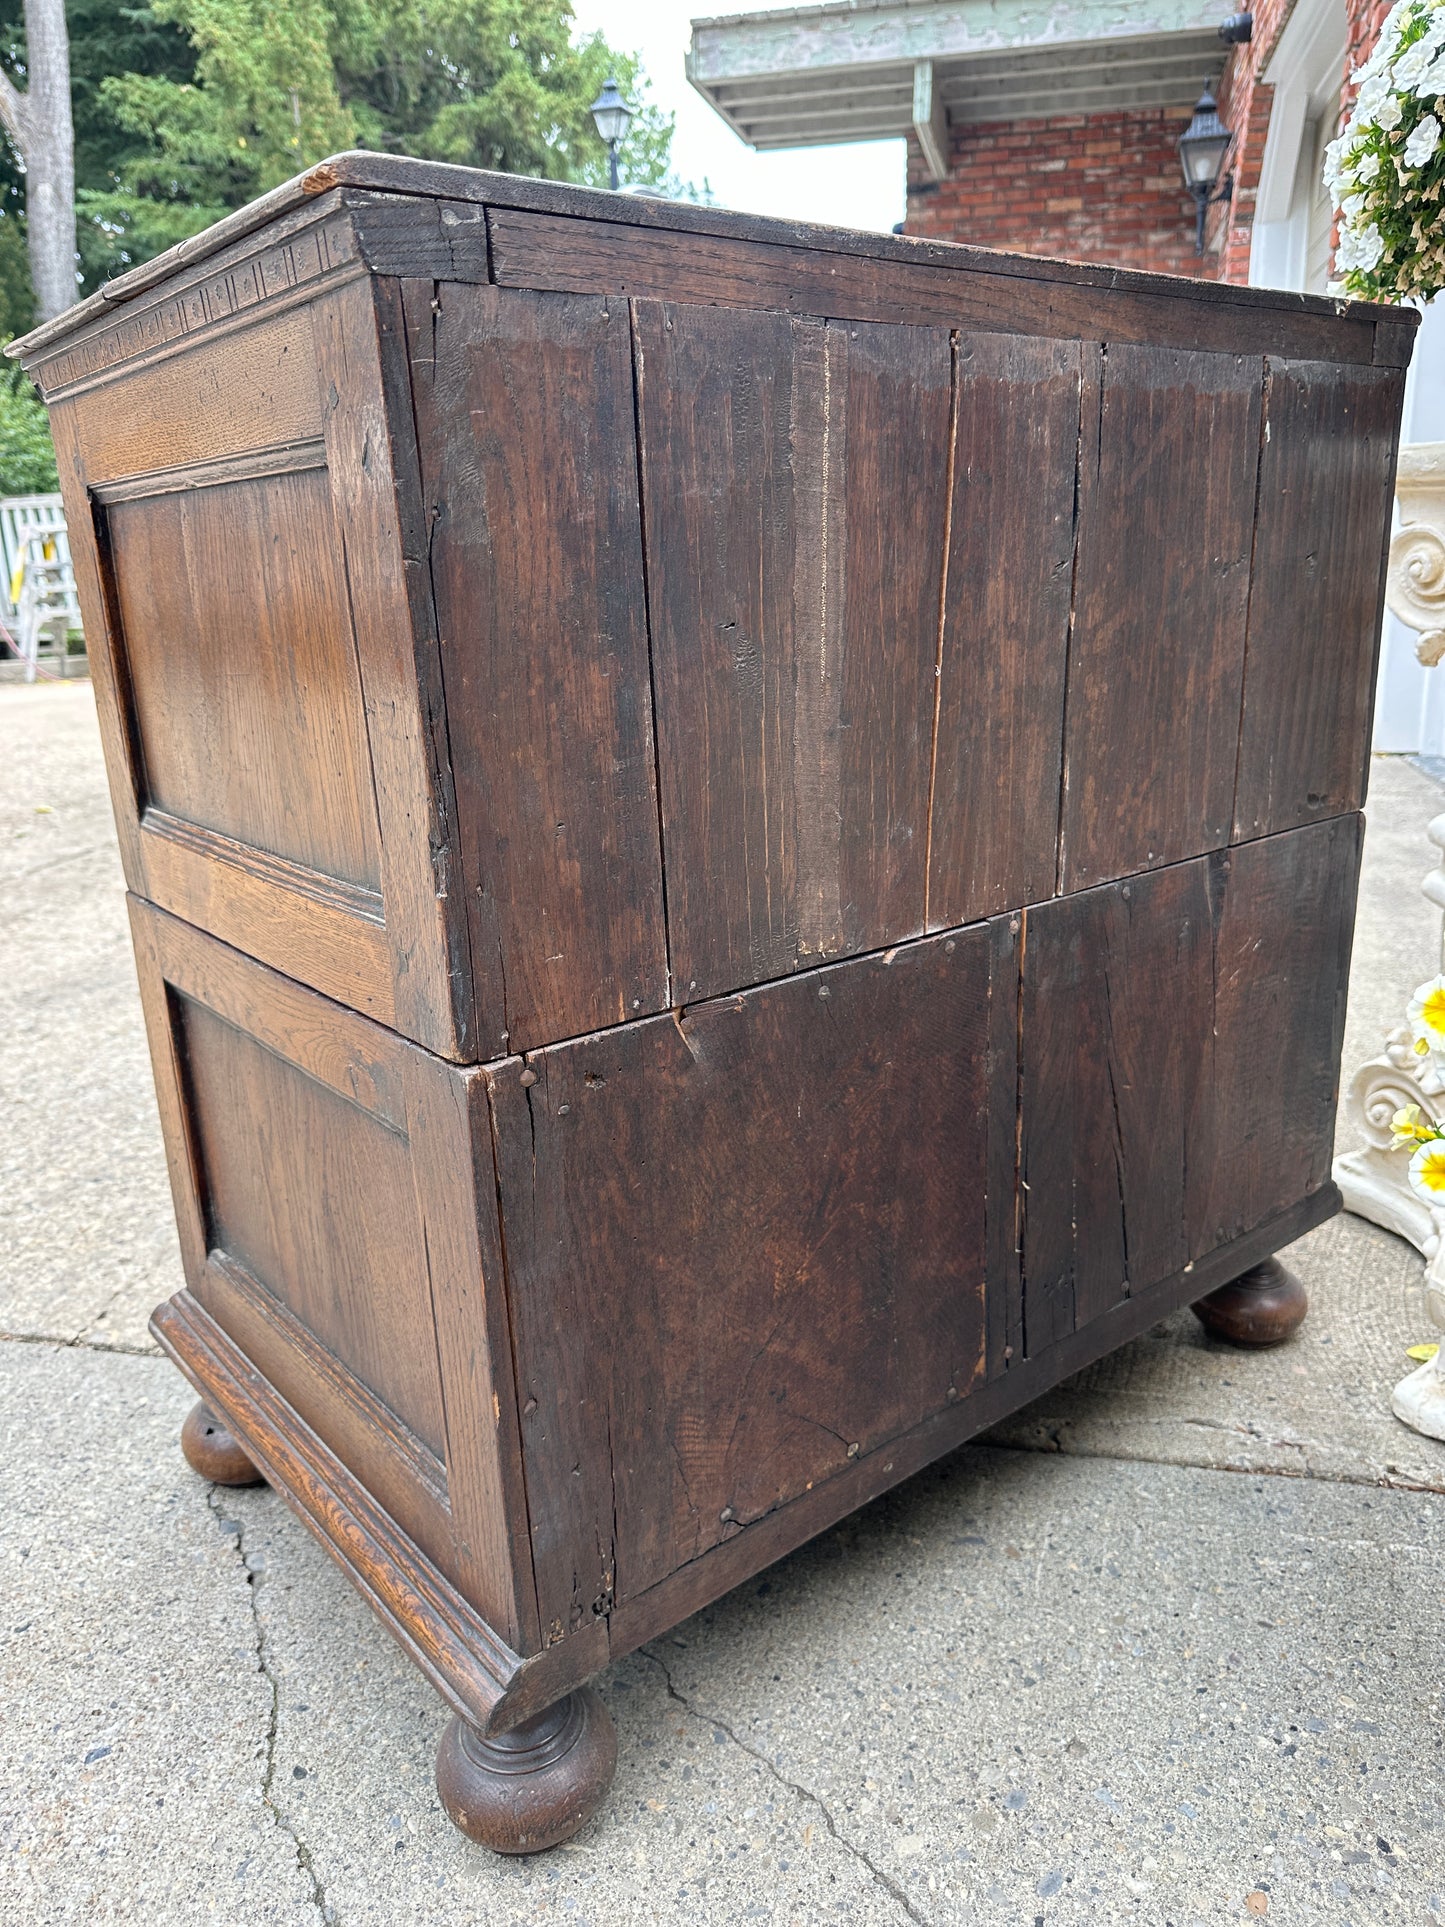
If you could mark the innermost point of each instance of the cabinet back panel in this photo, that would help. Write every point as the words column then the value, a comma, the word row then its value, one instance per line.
column 243, row 677
column 743, row 1246
column 314, row 1197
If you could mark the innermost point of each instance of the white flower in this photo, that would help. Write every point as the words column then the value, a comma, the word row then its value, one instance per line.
column 1432, row 82
column 1412, row 63
column 1423, row 142
column 1427, row 1172
column 1367, row 167
column 1387, row 115
column 1352, row 206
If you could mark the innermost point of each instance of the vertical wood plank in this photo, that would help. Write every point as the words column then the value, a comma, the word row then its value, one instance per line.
column 525, row 414
column 744, row 1245
column 1001, row 1193
column 1281, row 974
column 416, row 858
column 1181, row 1039
column 565, row 1314
column 999, row 756
column 1156, row 660
column 795, row 486
column 1319, row 581
column 95, row 588
column 452, row 1169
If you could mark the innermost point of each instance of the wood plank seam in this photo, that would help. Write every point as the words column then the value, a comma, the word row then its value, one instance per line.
column 639, row 448
column 948, row 507
column 1092, row 369
column 1264, row 432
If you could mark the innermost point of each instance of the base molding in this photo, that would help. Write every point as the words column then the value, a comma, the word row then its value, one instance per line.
column 492, row 1688
column 488, row 1685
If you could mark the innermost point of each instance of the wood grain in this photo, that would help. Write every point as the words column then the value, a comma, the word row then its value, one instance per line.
column 795, row 484
column 1156, row 657
column 999, row 758
column 1180, row 1065
column 524, row 406
column 743, row 1245
column 762, row 267
column 1326, row 465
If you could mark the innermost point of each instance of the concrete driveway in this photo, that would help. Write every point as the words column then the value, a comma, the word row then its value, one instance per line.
column 1167, row 1649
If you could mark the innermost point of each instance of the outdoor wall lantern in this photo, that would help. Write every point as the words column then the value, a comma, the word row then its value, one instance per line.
column 1203, row 146
column 612, row 116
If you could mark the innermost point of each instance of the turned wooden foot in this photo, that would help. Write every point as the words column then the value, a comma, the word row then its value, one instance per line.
column 535, row 1786
column 214, row 1452
column 1263, row 1306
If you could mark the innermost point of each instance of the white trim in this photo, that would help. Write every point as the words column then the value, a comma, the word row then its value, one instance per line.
column 1305, row 71
column 930, row 121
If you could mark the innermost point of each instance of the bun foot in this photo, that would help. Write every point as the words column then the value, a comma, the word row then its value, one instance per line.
column 535, row 1786
column 214, row 1452
column 1263, row 1306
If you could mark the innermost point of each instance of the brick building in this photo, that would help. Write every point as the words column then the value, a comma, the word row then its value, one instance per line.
column 1053, row 128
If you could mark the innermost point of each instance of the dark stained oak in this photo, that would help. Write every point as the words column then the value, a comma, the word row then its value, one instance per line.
column 525, row 416
column 1319, row 584
column 535, row 1786
column 1263, row 1306
column 1156, row 657
column 215, row 1452
column 998, row 759
column 742, row 845
column 795, row 480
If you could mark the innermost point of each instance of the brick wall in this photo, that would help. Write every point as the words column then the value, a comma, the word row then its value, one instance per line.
column 1106, row 187
column 1097, row 187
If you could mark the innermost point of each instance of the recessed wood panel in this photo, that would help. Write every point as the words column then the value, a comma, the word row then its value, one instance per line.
column 525, row 412
column 795, row 480
column 241, row 668
column 1314, row 617
column 1156, row 663
column 743, row 1246
column 314, row 1197
column 1179, row 1065
column 1006, row 627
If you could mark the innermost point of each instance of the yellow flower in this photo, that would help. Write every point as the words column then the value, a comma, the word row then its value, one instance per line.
column 1407, row 1127
column 1427, row 1172
column 1427, row 1012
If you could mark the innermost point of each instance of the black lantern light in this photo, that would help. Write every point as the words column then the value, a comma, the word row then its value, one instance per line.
column 612, row 116
column 1203, row 147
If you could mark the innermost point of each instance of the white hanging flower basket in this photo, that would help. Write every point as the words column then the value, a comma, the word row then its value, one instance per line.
column 1386, row 172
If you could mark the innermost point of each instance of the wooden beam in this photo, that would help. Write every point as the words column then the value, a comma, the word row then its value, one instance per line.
column 930, row 121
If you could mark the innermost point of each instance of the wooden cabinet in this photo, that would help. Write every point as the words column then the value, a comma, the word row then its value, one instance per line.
column 743, row 844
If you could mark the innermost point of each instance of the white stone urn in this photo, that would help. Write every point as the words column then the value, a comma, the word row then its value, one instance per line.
column 1374, row 1180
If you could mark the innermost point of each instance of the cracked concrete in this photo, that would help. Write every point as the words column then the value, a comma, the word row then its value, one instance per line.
column 253, row 1566
column 803, row 1793
column 1168, row 1642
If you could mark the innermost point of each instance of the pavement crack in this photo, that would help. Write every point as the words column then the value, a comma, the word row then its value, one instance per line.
column 232, row 1528
column 79, row 1343
column 884, row 1880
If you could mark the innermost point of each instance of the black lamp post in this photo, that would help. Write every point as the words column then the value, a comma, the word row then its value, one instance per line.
column 1203, row 146
column 612, row 115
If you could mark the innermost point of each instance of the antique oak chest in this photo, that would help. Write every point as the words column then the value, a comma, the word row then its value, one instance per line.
column 742, row 846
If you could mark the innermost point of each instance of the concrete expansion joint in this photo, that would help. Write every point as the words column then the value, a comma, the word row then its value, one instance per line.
column 889, row 1885
column 234, row 1529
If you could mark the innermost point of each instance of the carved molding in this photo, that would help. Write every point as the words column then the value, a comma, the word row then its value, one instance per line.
column 1374, row 1180
column 1415, row 584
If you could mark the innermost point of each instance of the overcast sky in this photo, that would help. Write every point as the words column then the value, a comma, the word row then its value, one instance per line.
column 855, row 186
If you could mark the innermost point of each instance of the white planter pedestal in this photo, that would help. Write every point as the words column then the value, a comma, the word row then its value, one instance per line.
column 1374, row 1180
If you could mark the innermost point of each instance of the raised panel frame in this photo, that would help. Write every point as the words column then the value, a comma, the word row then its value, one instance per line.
column 468, row 1510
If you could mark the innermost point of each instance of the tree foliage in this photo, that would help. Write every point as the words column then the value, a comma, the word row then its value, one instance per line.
column 187, row 108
